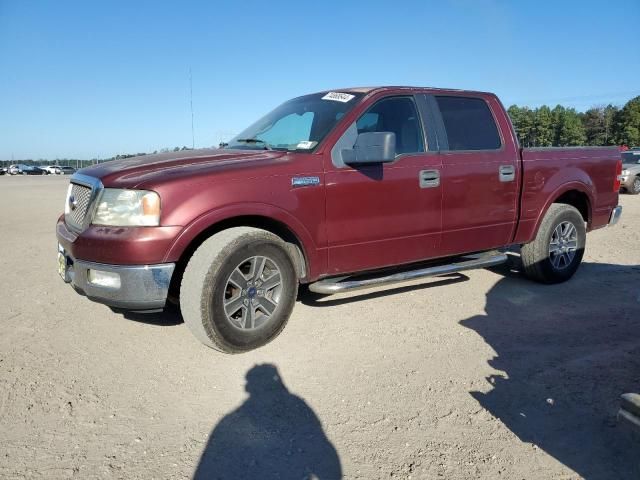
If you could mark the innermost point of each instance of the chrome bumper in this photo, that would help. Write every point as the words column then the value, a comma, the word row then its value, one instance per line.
column 142, row 287
column 616, row 213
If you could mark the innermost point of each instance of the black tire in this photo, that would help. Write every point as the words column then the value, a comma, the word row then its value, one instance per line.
column 635, row 187
column 539, row 263
column 205, row 284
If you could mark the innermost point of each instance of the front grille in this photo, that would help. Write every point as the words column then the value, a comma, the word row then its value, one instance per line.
column 77, row 205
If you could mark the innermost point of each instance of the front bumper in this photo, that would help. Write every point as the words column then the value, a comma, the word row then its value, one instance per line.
column 142, row 287
column 616, row 213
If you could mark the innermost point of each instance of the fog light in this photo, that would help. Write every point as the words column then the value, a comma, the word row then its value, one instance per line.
column 104, row 279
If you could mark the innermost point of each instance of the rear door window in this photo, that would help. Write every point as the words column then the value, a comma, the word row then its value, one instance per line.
column 468, row 123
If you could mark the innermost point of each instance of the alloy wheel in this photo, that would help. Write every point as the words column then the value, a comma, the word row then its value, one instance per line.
column 252, row 292
column 563, row 245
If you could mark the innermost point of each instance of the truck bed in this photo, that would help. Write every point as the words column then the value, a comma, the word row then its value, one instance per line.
column 545, row 175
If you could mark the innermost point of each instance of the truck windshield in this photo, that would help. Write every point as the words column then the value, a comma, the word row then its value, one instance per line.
column 299, row 124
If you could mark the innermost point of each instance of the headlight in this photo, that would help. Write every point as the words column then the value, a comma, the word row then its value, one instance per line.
column 624, row 175
column 127, row 208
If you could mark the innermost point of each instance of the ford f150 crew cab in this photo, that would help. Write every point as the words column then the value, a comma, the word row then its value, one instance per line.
column 339, row 190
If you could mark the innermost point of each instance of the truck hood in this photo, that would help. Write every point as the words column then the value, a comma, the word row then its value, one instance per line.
column 134, row 171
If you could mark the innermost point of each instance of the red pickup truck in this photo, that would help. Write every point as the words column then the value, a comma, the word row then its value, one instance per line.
column 339, row 190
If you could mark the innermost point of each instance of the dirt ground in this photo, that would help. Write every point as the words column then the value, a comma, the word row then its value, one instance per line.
column 483, row 375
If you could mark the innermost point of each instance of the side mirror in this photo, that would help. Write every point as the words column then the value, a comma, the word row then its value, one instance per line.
column 370, row 148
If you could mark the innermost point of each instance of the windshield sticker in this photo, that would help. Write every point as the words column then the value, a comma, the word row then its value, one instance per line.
column 338, row 97
column 306, row 145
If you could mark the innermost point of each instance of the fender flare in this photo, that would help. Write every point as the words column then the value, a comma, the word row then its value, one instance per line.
column 582, row 187
column 270, row 212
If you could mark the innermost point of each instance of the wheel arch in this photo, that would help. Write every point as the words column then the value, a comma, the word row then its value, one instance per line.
column 577, row 195
column 578, row 199
column 200, row 229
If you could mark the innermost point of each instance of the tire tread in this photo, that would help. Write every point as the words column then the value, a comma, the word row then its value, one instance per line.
column 200, row 276
column 535, row 253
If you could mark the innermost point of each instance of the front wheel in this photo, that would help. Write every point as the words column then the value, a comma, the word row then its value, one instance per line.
column 238, row 289
column 556, row 252
column 635, row 187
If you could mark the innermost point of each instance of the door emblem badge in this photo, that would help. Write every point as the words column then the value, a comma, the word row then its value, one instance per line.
column 305, row 181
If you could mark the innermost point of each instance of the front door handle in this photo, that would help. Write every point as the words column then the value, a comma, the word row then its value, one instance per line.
column 507, row 173
column 429, row 178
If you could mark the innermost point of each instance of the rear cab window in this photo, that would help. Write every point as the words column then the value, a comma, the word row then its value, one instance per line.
column 468, row 123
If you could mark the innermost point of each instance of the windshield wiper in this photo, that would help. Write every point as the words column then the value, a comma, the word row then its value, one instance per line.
column 254, row 140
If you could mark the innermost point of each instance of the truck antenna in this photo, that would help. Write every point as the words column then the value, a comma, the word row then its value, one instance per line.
column 193, row 138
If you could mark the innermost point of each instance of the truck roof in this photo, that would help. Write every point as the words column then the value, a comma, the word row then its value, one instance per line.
column 383, row 88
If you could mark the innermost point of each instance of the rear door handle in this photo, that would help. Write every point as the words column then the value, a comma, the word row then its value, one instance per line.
column 429, row 178
column 507, row 173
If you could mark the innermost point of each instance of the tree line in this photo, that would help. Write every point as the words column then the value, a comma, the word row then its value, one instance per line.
column 561, row 126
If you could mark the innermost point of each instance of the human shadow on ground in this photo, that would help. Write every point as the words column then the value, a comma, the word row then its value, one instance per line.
column 274, row 434
column 567, row 352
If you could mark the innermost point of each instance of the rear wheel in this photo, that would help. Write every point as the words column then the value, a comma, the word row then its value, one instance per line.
column 238, row 289
column 556, row 253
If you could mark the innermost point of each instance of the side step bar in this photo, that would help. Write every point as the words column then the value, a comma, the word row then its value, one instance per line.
column 329, row 286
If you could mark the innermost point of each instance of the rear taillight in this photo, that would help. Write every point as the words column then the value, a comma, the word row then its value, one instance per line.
column 616, row 182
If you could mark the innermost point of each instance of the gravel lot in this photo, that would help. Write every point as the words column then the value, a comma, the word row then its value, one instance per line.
column 483, row 375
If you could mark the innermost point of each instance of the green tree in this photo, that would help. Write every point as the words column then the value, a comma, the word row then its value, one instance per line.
column 544, row 127
column 611, row 114
column 523, row 120
column 557, row 115
column 594, row 126
column 628, row 123
column 571, row 130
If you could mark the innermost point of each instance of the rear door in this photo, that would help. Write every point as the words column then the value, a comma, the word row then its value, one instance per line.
column 480, row 173
column 384, row 214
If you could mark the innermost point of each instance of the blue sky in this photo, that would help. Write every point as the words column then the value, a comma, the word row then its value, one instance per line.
column 87, row 79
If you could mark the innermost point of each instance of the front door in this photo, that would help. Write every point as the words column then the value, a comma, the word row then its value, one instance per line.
column 384, row 214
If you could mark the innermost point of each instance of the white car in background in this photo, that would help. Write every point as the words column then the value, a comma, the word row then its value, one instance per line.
column 51, row 169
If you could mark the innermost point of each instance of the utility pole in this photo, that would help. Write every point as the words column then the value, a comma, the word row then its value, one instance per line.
column 193, row 138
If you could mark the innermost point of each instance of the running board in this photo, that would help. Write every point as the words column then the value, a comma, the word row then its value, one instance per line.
column 329, row 286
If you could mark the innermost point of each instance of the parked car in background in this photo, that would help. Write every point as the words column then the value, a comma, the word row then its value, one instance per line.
column 65, row 170
column 51, row 169
column 323, row 189
column 3, row 171
column 630, row 177
column 32, row 170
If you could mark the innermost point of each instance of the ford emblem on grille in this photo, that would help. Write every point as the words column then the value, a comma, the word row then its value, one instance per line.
column 73, row 203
